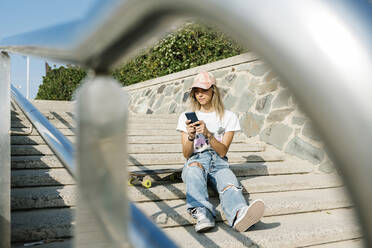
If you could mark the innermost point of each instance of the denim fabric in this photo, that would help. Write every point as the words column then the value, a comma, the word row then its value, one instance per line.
column 217, row 173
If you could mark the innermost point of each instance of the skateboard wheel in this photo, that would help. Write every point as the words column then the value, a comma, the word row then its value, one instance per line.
column 146, row 183
column 130, row 181
column 173, row 178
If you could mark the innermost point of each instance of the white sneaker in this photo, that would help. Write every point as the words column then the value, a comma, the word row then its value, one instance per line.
column 204, row 218
column 249, row 215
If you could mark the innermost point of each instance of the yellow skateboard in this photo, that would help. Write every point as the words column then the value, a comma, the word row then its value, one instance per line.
column 148, row 176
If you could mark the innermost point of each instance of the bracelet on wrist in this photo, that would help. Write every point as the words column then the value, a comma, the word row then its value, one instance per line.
column 190, row 139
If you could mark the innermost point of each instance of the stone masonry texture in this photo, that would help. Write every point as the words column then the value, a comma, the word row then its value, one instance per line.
column 249, row 88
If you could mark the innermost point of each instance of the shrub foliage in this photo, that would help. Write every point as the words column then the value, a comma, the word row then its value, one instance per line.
column 192, row 45
column 60, row 83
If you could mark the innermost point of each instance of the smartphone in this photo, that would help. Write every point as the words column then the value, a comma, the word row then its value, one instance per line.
column 191, row 116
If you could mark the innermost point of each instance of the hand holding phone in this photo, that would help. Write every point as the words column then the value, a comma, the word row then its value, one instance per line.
column 191, row 116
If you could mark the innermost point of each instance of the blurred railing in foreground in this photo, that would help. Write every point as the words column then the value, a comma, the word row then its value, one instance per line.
column 322, row 49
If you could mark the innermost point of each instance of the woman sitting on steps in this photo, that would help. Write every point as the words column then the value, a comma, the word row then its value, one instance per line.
column 205, row 144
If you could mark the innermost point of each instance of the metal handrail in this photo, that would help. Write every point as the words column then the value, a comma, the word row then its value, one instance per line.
column 142, row 231
column 59, row 144
column 320, row 48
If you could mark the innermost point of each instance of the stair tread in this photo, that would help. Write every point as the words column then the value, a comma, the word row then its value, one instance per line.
column 41, row 177
column 352, row 243
column 290, row 230
column 43, row 149
column 173, row 213
column 176, row 158
column 51, row 161
column 60, row 176
column 252, row 184
column 70, row 123
column 156, row 139
column 270, row 168
column 289, row 166
column 131, row 132
column 43, row 198
column 53, row 243
column 35, row 162
column 41, row 224
column 275, row 231
column 142, row 159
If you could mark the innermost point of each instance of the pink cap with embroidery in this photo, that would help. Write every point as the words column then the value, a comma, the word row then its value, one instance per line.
column 204, row 80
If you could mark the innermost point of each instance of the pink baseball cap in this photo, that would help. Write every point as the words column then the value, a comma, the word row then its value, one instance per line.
column 204, row 80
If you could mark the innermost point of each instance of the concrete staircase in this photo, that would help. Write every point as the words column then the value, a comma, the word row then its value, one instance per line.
column 304, row 208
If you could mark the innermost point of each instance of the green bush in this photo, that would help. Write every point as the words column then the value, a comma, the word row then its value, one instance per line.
column 190, row 46
column 60, row 83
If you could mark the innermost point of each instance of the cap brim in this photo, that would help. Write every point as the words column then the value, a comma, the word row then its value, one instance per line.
column 204, row 85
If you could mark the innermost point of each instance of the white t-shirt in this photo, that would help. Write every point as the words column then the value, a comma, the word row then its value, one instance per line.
column 217, row 127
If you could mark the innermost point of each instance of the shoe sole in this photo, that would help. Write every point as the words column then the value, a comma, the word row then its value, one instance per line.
column 204, row 227
column 253, row 215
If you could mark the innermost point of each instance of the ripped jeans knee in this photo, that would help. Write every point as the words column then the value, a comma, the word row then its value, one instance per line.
column 196, row 164
column 193, row 171
column 230, row 186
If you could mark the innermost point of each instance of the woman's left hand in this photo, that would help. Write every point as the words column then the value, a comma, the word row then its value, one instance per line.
column 202, row 128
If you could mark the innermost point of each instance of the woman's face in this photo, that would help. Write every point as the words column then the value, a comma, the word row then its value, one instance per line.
column 203, row 96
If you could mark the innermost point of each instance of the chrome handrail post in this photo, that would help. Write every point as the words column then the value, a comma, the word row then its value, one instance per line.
column 102, row 113
column 4, row 150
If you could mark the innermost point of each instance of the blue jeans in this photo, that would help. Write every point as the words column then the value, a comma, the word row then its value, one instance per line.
column 215, row 171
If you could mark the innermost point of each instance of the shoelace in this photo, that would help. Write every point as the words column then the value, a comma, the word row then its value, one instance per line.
column 195, row 212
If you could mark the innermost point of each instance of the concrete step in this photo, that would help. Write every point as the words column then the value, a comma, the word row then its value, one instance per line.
column 29, row 150
column 60, row 176
column 27, row 140
column 70, row 114
column 56, row 123
column 290, row 166
column 173, row 213
column 65, row 118
column 41, row 224
column 26, row 131
column 172, row 139
column 55, row 196
column 138, row 125
column 45, row 162
column 138, row 160
column 35, row 162
column 177, row 148
column 305, row 229
column 52, row 116
column 71, row 132
column 20, row 150
column 352, row 243
column 43, row 197
column 51, row 243
column 41, row 177
column 177, row 158
column 47, row 114
column 276, row 231
column 170, row 161
column 258, row 184
column 48, row 190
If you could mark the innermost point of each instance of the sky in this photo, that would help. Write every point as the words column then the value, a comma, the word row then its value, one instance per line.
column 20, row 16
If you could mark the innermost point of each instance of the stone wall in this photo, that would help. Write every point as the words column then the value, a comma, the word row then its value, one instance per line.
column 266, row 108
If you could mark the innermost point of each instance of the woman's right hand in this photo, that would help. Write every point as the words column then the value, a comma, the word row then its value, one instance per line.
column 191, row 130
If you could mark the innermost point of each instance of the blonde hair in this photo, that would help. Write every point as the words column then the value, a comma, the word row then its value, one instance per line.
column 216, row 100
